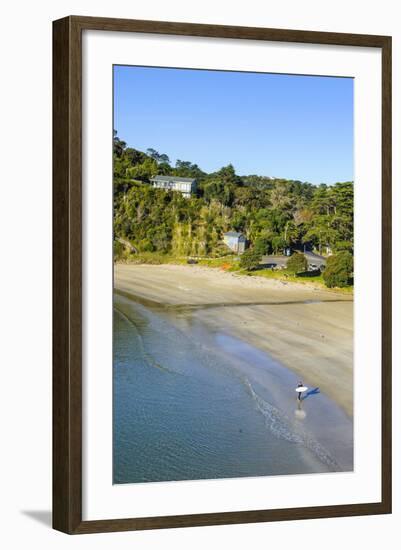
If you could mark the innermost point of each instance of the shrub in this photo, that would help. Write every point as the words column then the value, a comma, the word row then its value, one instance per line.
column 250, row 259
column 146, row 245
column 262, row 245
column 297, row 263
column 342, row 246
column 339, row 270
column 118, row 249
column 278, row 243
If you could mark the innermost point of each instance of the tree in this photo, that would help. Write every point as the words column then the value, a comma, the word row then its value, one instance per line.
column 144, row 171
column 250, row 259
column 344, row 245
column 158, row 157
column 280, row 195
column 218, row 190
column 186, row 169
column 272, row 213
column 291, row 233
column 227, row 174
column 262, row 245
column 163, row 158
column 278, row 243
column 133, row 156
column 339, row 270
column 119, row 145
column 322, row 202
column 297, row 263
column 321, row 233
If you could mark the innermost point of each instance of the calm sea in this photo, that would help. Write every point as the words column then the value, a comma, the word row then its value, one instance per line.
column 192, row 403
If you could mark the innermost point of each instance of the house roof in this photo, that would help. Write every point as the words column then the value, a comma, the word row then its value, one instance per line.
column 233, row 234
column 172, row 178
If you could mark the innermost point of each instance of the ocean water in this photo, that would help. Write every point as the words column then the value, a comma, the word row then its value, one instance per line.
column 191, row 403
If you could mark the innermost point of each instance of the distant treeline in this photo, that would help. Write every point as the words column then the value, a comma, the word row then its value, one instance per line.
column 272, row 213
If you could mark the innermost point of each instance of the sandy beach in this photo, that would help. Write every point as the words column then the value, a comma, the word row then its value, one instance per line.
column 309, row 330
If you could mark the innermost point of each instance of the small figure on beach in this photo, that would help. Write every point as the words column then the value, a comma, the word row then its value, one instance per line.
column 300, row 389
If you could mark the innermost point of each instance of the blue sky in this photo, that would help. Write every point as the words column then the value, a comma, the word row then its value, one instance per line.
column 296, row 127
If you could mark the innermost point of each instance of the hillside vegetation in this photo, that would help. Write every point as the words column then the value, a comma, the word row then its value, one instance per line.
column 271, row 212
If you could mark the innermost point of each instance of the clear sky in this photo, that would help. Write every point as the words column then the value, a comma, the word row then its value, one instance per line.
column 295, row 127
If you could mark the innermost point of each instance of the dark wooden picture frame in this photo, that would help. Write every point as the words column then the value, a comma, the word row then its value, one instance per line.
column 67, row 274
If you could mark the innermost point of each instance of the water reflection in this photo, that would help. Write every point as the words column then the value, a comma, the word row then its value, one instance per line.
column 193, row 403
column 299, row 412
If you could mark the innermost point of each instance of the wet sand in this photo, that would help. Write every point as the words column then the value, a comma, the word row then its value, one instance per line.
column 309, row 330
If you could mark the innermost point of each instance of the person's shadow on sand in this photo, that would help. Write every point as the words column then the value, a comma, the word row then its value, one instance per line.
column 314, row 391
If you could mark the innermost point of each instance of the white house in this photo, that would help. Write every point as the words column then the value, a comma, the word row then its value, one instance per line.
column 236, row 241
column 186, row 186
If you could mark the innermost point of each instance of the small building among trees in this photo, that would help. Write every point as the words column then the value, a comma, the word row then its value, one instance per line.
column 236, row 241
column 186, row 186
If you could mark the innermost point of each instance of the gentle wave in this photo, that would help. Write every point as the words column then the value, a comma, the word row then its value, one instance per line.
column 147, row 357
column 281, row 427
column 278, row 424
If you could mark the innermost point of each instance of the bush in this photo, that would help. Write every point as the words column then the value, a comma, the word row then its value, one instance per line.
column 297, row 263
column 339, row 270
column 250, row 259
column 278, row 243
column 262, row 245
column 342, row 246
column 146, row 245
column 118, row 250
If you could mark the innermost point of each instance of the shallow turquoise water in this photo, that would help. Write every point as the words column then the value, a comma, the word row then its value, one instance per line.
column 192, row 404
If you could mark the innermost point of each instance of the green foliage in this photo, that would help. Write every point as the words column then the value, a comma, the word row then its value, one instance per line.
column 342, row 246
column 339, row 270
column 272, row 213
column 143, row 171
column 283, row 275
column 250, row 259
column 118, row 250
column 278, row 243
column 297, row 263
column 263, row 245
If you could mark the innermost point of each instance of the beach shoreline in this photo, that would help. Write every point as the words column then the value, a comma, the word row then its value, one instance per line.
column 307, row 329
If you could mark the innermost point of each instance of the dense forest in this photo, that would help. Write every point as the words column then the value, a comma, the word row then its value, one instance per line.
column 272, row 212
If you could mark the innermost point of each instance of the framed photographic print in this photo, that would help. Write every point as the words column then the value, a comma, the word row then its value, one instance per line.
column 222, row 274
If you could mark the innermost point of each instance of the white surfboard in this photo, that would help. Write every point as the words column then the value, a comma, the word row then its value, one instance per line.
column 301, row 389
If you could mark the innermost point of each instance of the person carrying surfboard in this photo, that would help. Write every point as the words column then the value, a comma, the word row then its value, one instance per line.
column 299, row 389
